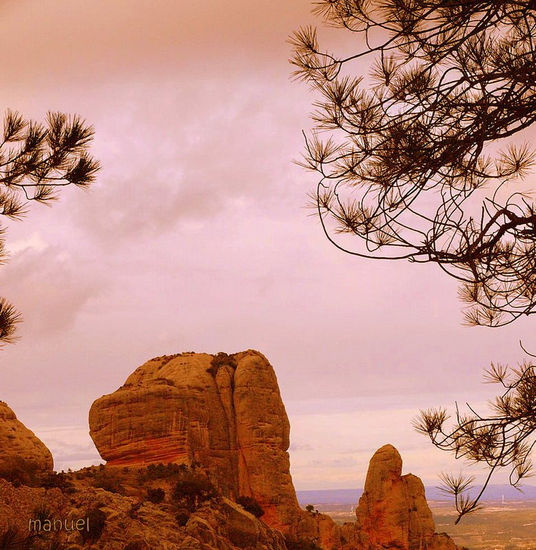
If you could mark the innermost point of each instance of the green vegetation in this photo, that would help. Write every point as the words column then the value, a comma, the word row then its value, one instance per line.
column 416, row 160
column 97, row 522
column 37, row 160
column 42, row 512
column 14, row 539
column 58, row 479
column 182, row 516
column 108, row 480
column 499, row 526
column 18, row 471
column 219, row 360
column 161, row 471
column 136, row 545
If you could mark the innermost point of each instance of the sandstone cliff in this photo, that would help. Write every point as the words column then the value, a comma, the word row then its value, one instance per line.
column 393, row 512
column 222, row 412
column 20, row 447
column 225, row 414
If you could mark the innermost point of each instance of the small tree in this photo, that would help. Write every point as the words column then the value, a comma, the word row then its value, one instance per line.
column 156, row 496
column 410, row 169
column 192, row 489
column 251, row 505
column 504, row 438
column 36, row 160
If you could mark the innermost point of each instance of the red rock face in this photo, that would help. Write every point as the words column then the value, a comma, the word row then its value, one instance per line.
column 231, row 421
column 393, row 512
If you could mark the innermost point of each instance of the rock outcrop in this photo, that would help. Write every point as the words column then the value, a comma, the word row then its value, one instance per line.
column 222, row 412
column 393, row 512
column 20, row 448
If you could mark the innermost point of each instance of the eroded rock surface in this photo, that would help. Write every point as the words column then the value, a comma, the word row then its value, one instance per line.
column 20, row 447
column 224, row 413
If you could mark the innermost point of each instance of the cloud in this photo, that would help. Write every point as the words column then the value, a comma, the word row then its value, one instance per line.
column 70, row 446
column 93, row 40
column 49, row 287
column 185, row 157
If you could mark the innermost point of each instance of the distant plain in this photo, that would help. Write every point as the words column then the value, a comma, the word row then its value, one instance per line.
column 500, row 525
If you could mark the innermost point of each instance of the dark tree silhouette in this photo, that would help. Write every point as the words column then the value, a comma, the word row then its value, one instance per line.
column 413, row 144
column 410, row 168
column 36, row 160
column 503, row 438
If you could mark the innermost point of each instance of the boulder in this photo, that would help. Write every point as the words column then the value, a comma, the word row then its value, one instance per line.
column 22, row 453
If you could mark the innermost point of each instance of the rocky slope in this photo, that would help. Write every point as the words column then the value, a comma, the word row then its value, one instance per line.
column 128, row 524
column 20, row 447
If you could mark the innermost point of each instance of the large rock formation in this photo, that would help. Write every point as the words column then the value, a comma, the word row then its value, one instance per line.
column 222, row 412
column 20, row 449
column 225, row 414
column 393, row 512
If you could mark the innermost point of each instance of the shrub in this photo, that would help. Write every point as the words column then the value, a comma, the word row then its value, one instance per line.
column 42, row 512
column 156, row 495
column 60, row 480
column 108, row 481
column 300, row 544
column 136, row 545
column 18, row 471
column 161, row 471
column 133, row 511
column 182, row 517
column 193, row 489
column 251, row 505
column 13, row 539
column 310, row 508
column 97, row 522
column 219, row 360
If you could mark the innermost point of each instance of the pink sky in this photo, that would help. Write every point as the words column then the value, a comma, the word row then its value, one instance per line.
column 196, row 237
